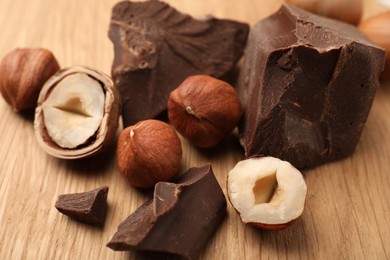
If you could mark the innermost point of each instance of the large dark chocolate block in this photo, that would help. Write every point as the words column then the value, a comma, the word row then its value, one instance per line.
column 156, row 48
column 307, row 85
column 180, row 218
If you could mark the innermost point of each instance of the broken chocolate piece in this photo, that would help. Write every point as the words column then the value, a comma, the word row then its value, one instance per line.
column 156, row 47
column 307, row 84
column 88, row 207
column 179, row 219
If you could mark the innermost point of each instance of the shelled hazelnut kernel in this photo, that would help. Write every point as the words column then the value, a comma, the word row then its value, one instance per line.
column 267, row 192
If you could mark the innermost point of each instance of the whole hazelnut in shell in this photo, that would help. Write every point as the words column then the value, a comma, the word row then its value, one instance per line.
column 148, row 152
column 204, row 110
column 23, row 73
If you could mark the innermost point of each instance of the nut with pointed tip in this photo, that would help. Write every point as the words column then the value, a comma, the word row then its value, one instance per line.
column 267, row 192
column 77, row 113
column 148, row 152
column 22, row 75
column 204, row 110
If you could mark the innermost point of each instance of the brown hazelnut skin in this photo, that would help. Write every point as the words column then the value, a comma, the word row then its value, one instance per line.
column 272, row 226
column 349, row 11
column 204, row 110
column 23, row 73
column 148, row 152
column 376, row 28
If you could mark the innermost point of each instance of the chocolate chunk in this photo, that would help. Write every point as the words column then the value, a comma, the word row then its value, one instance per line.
column 179, row 219
column 88, row 207
column 156, row 48
column 307, row 85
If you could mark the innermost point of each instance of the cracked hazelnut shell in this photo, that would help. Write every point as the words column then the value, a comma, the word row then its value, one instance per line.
column 23, row 73
column 77, row 114
column 267, row 192
column 148, row 152
column 204, row 110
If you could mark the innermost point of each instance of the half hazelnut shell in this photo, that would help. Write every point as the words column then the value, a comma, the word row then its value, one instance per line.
column 77, row 114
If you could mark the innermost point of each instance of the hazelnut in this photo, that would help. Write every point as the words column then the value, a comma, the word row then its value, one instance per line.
column 204, row 110
column 349, row 11
column 376, row 28
column 267, row 192
column 77, row 113
column 148, row 152
column 22, row 75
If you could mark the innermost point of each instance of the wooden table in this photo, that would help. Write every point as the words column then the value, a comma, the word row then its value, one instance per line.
column 348, row 202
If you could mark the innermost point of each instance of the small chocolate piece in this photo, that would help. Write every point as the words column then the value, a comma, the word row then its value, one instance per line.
column 179, row 219
column 156, row 48
column 307, row 84
column 88, row 207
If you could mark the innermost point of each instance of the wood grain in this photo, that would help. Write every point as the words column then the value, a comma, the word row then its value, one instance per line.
column 348, row 204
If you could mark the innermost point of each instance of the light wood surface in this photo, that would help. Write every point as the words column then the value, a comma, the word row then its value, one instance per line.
column 348, row 204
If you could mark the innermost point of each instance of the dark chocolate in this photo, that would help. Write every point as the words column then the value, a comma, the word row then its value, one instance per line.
column 156, row 47
column 180, row 218
column 307, row 85
column 88, row 207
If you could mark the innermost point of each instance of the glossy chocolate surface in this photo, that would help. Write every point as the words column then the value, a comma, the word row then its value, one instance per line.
column 307, row 85
column 156, row 47
column 179, row 220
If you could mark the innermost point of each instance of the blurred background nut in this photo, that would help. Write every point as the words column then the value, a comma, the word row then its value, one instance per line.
column 22, row 75
column 148, row 152
column 77, row 113
column 349, row 11
column 377, row 29
column 204, row 110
